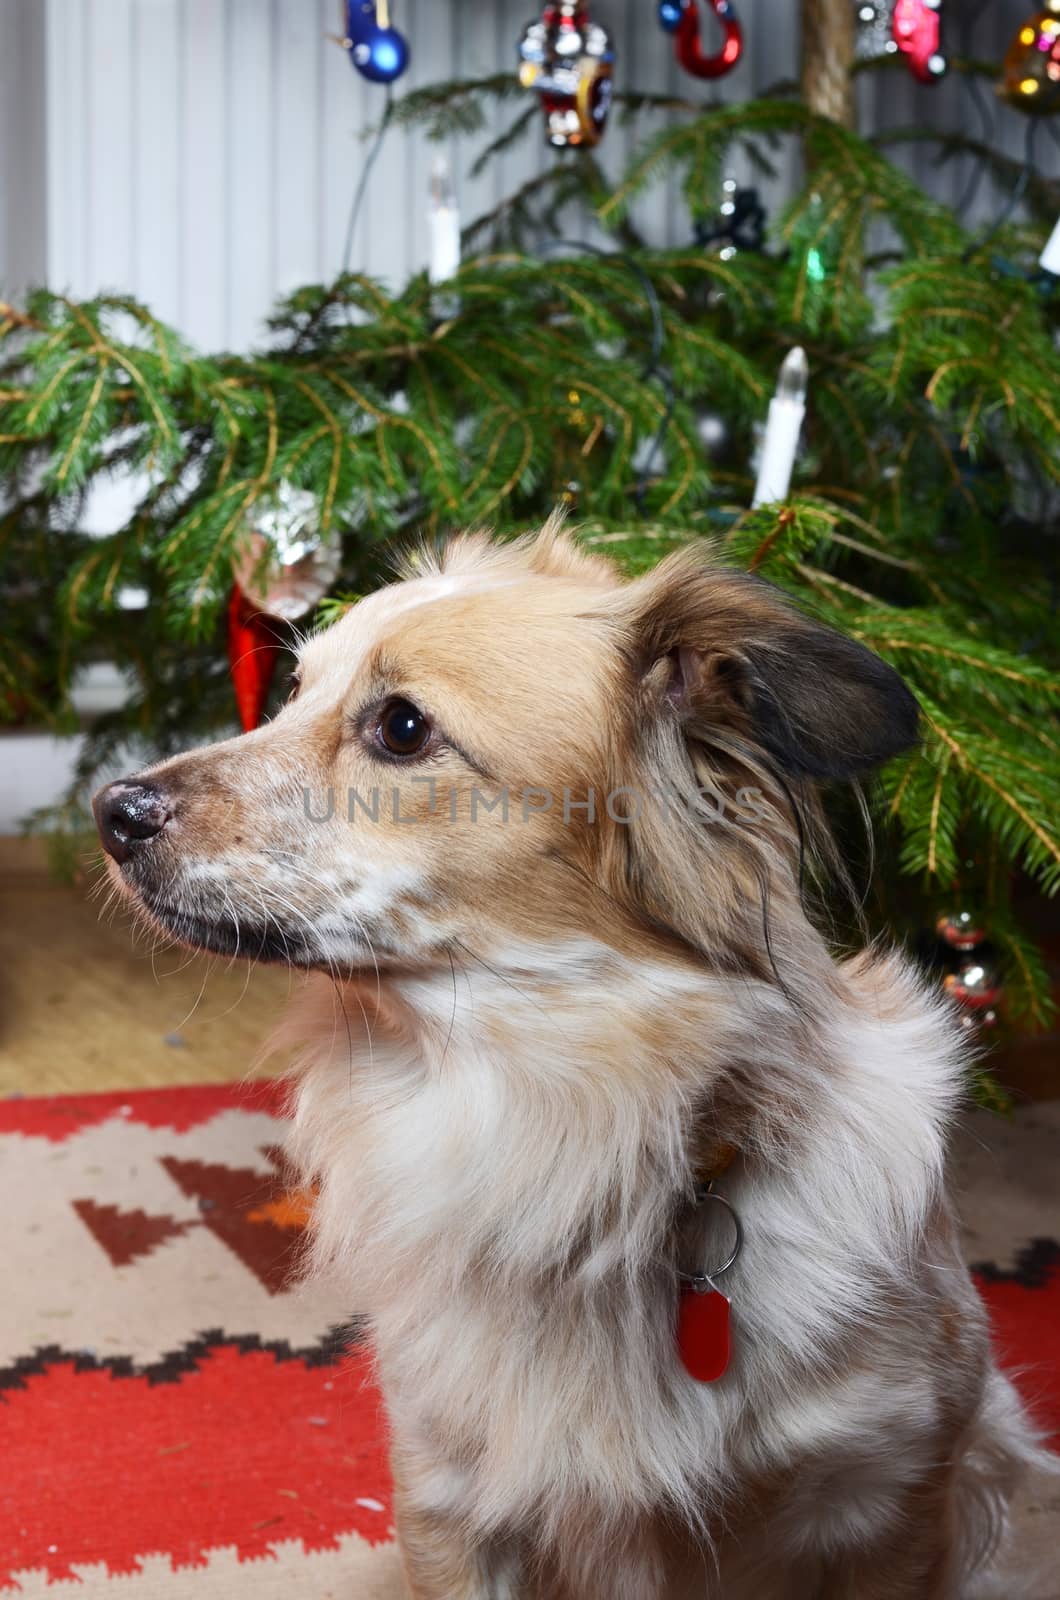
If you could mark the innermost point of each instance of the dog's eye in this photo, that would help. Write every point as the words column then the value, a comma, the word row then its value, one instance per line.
column 403, row 729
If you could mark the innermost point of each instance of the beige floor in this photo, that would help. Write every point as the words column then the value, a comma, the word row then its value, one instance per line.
column 84, row 1005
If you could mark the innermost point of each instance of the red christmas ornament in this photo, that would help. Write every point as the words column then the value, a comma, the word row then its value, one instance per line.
column 681, row 18
column 252, row 652
column 915, row 25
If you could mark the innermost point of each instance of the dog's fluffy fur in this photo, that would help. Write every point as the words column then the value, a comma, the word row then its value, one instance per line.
column 540, row 1035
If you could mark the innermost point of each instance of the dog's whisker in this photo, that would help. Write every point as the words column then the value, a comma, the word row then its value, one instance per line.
column 208, row 968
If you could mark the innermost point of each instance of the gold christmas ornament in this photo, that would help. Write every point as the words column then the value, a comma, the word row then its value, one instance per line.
column 1030, row 76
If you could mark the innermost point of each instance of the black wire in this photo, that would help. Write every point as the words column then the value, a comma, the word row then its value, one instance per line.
column 1019, row 189
column 362, row 183
column 643, row 479
column 658, row 331
column 989, row 126
column 652, row 367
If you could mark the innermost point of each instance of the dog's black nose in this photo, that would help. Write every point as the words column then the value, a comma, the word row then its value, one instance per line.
column 127, row 815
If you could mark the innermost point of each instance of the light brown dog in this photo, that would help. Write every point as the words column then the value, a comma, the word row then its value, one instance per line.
column 545, row 831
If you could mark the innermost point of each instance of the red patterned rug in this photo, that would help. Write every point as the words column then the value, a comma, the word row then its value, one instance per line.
column 178, row 1418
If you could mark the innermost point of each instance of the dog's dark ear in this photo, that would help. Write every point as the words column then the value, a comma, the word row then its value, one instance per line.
column 725, row 650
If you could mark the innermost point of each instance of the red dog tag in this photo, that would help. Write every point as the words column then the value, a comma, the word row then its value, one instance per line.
column 703, row 1333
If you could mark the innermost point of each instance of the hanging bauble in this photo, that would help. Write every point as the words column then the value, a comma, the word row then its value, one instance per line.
column 976, row 984
column 283, row 563
column 253, row 647
column 567, row 58
column 978, row 1021
column 916, row 28
column 1030, row 76
column 960, row 929
column 874, row 36
column 681, row 18
column 378, row 51
column 712, row 431
column 739, row 225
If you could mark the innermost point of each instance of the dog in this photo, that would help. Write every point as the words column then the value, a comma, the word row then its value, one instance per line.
column 640, row 1191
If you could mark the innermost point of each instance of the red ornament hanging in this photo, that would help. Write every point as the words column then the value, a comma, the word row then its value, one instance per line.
column 252, row 651
column 916, row 28
column 568, row 59
column 681, row 18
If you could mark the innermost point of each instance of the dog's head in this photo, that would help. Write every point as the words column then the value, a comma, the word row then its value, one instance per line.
column 509, row 748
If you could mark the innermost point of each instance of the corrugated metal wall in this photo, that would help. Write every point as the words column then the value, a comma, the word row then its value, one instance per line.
column 22, row 145
column 203, row 153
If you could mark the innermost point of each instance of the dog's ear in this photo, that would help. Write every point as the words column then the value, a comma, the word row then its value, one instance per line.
column 725, row 651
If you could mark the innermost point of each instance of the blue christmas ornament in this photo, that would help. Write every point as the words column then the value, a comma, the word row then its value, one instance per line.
column 670, row 13
column 379, row 52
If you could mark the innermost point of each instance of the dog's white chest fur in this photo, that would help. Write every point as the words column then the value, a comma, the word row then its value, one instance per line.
column 498, row 1186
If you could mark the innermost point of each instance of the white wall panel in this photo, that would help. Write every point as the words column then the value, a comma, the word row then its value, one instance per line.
column 157, row 156
column 111, row 115
column 23, row 144
column 250, row 148
column 69, row 148
column 297, row 69
column 203, row 129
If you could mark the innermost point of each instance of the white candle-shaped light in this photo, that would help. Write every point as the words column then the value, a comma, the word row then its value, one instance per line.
column 781, row 441
column 445, row 224
column 1050, row 256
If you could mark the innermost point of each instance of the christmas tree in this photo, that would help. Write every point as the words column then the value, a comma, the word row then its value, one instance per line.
column 630, row 383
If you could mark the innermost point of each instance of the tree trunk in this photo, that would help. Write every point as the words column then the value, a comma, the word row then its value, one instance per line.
column 827, row 57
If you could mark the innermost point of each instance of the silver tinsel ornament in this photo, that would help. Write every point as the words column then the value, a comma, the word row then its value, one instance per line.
column 874, row 31
column 284, row 564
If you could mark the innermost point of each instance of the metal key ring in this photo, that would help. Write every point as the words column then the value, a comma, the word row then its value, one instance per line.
column 702, row 1281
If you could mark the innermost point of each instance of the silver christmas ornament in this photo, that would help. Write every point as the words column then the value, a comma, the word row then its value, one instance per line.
column 712, row 432
column 973, row 1021
column 874, row 32
column 976, row 984
column 960, row 929
column 284, row 564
